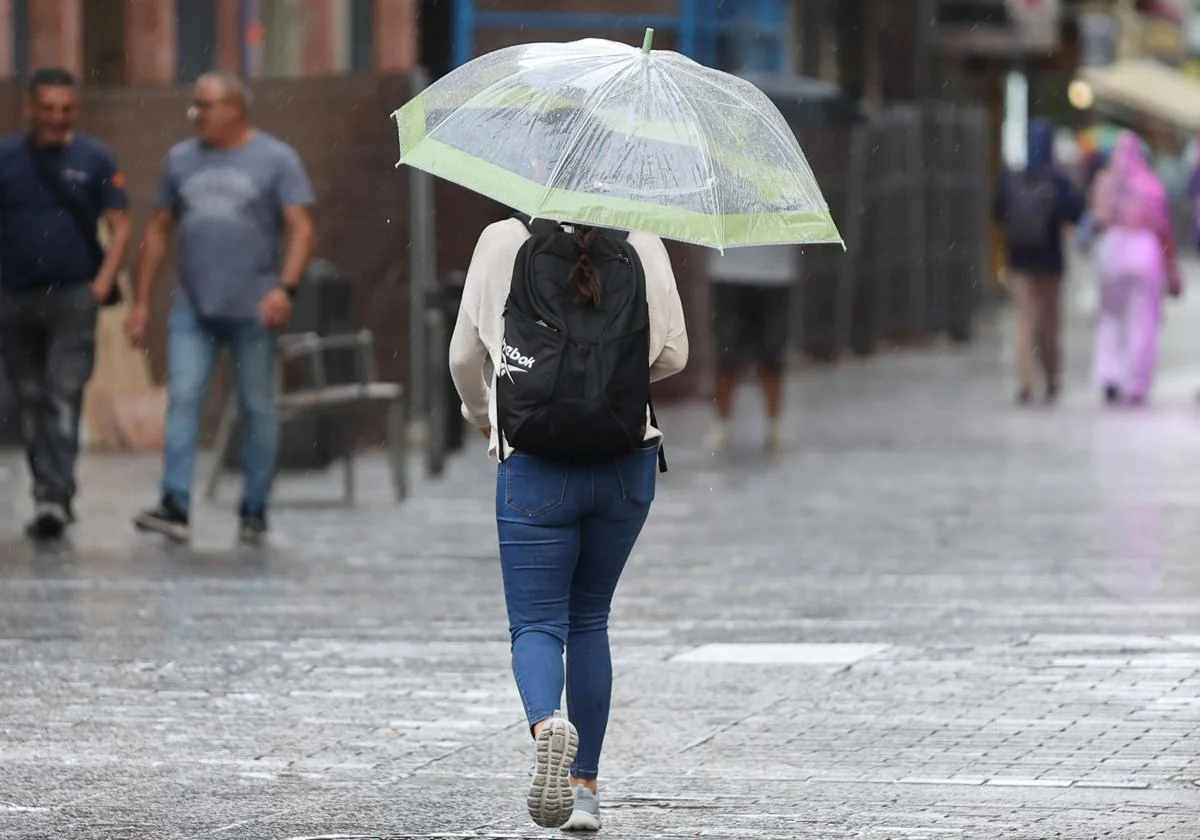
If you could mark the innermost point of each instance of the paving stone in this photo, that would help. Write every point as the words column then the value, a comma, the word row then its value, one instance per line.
column 936, row 615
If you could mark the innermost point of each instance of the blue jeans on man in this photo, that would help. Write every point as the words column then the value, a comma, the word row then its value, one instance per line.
column 193, row 346
column 565, row 533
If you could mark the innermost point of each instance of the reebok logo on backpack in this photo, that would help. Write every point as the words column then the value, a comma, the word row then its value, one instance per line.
column 1032, row 211
column 510, row 356
column 573, row 383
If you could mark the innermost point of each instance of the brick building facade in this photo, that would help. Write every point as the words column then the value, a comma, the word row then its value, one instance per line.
column 139, row 42
column 326, row 74
column 337, row 120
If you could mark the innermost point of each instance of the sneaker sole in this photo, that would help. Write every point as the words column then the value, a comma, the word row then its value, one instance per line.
column 550, row 799
column 150, row 525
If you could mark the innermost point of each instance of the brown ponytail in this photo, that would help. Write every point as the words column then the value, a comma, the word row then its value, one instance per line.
column 585, row 279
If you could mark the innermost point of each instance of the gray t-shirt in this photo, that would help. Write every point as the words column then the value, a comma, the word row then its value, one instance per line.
column 760, row 265
column 229, row 211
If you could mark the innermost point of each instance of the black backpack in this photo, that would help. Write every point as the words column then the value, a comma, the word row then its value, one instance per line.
column 573, row 383
column 1032, row 205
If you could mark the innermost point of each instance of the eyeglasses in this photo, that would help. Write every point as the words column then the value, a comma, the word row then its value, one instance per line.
column 199, row 105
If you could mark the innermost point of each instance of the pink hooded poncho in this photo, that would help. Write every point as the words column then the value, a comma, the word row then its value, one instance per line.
column 1128, row 193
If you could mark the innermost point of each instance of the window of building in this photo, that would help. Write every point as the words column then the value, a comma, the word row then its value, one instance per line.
column 20, row 38
column 753, row 37
column 295, row 38
column 104, row 43
column 362, row 36
column 196, row 39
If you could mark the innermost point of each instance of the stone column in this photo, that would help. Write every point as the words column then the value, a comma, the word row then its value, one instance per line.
column 229, row 35
column 396, row 48
column 150, row 41
column 56, row 35
column 320, row 24
column 6, row 43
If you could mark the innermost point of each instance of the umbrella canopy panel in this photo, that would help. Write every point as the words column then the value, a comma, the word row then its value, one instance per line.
column 597, row 132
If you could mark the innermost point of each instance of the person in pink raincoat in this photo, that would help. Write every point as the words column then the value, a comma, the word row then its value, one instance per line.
column 1136, row 257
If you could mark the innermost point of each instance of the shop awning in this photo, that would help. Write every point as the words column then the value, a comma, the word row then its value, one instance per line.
column 1148, row 87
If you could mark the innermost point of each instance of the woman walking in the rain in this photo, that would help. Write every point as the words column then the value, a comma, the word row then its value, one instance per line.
column 1034, row 205
column 553, row 361
column 1137, row 263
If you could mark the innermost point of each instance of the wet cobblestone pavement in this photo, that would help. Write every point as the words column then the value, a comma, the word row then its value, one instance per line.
column 935, row 616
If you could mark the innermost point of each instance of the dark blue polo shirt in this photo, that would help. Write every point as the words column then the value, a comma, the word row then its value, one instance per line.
column 39, row 244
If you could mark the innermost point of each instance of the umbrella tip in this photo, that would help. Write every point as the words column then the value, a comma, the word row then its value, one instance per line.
column 647, row 40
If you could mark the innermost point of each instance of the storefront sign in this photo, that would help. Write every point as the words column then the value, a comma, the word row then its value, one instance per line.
column 1000, row 27
column 1099, row 35
column 1037, row 22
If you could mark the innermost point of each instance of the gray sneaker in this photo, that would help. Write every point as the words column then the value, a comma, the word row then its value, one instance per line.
column 586, row 816
column 550, row 802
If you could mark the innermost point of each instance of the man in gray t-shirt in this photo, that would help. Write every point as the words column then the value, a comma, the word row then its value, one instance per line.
column 240, row 202
column 751, row 312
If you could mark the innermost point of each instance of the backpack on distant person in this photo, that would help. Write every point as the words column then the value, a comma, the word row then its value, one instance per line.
column 573, row 382
column 1032, row 209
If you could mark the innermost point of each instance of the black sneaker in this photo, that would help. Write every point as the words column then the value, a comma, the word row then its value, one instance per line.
column 166, row 519
column 49, row 521
column 253, row 527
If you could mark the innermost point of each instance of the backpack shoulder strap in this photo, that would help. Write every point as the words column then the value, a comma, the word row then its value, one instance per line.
column 538, row 227
column 521, row 294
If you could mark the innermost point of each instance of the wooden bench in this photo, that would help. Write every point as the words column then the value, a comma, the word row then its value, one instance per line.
column 318, row 396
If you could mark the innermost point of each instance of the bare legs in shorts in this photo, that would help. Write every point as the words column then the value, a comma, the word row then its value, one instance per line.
column 750, row 324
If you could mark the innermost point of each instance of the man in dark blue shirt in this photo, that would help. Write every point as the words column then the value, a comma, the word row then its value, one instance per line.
column 56, row 188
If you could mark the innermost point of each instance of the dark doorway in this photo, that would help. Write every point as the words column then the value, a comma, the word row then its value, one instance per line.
column 196, row 35
column 104, row 43
column 436, row 25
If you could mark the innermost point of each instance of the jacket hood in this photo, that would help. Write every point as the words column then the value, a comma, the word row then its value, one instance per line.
column 1041, row 144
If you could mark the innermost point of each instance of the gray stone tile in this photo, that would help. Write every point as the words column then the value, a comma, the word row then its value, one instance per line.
column 1030, row 574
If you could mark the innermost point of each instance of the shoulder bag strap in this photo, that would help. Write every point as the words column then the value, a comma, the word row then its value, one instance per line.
column 65, row 200
column 73, row 210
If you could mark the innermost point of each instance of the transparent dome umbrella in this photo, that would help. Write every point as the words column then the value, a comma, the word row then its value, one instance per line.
column 602, row 133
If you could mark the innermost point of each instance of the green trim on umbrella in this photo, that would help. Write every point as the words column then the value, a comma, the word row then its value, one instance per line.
column 537, row 200
column 412, row 123
column 770, row 181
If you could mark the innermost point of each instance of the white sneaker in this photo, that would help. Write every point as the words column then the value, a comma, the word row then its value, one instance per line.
column 777, row 439
column 586, row 815
column 550, row 800
column 717, row 438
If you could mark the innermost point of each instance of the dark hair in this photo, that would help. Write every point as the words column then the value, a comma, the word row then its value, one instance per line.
column 585, row 279
column 50, row 77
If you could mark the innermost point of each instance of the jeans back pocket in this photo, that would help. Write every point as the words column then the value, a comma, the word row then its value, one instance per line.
column 532, row 486
column 638, row 473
